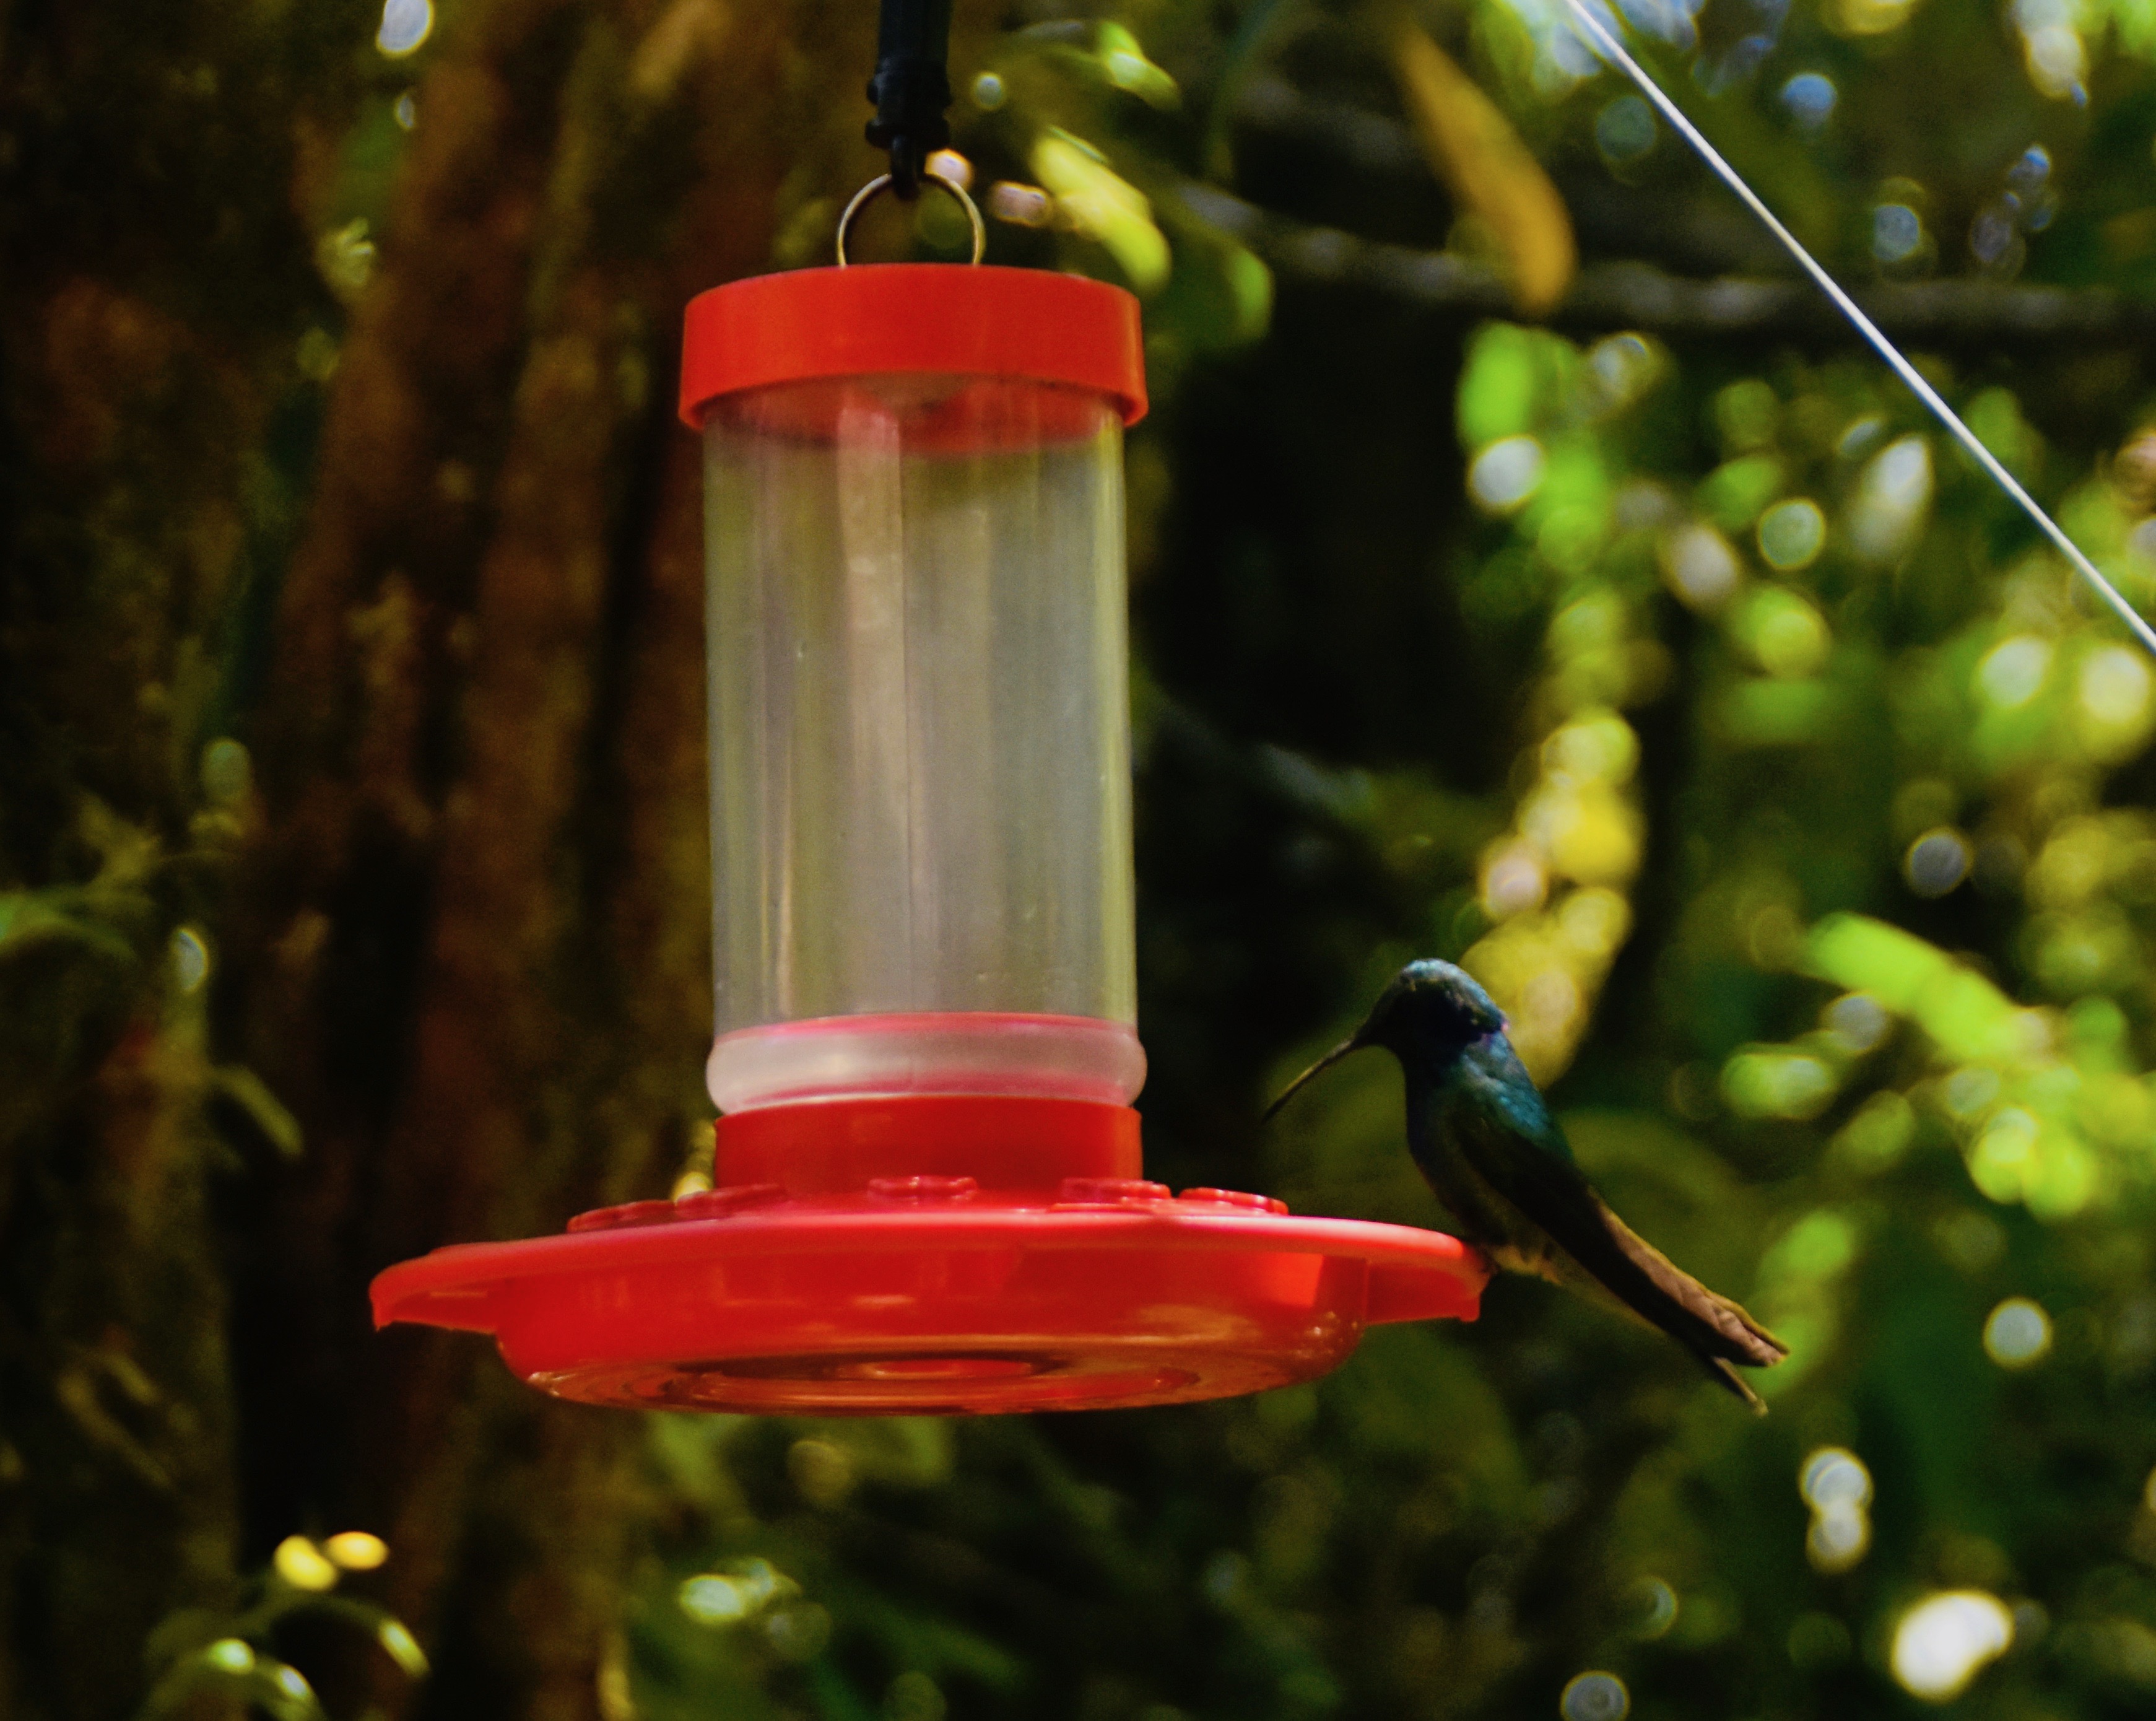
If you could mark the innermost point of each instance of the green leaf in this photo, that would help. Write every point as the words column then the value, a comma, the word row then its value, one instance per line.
column 1736, row 492
column 263, row 1109
column 1968, row 1016
column 1500, row 384
column 36, row 920
column 1103, row 206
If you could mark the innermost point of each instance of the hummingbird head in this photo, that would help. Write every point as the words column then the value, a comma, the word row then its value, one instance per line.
column 1429, row 1005
column 1428, row 1010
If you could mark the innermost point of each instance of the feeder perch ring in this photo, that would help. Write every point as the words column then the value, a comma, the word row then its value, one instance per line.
column 866, row 194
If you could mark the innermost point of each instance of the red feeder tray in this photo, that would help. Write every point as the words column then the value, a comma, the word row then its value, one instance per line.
column 934, row 1256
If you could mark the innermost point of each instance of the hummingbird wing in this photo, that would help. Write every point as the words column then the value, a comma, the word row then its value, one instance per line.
column 1504, row 1143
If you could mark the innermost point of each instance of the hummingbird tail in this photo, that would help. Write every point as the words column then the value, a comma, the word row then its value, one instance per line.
column 1716, row 1329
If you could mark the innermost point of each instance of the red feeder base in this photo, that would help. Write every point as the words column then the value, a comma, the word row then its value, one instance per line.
column 881, row 1277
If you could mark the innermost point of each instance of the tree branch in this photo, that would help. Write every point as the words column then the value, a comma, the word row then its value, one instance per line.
column 1639, row 295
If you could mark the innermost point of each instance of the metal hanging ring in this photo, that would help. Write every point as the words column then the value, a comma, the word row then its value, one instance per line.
column 869, row 191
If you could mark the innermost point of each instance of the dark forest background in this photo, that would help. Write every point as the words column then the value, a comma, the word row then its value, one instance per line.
column 1527, row 569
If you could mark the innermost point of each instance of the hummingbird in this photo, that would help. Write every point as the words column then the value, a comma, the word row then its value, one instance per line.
column 1484, row 1141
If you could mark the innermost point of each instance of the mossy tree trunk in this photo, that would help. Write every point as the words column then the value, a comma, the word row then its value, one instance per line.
column 419, row 531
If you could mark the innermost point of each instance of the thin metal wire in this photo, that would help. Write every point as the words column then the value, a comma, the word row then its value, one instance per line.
column 1608, row 46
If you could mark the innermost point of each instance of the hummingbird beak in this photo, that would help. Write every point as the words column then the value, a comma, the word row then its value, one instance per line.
column 1354, row 1042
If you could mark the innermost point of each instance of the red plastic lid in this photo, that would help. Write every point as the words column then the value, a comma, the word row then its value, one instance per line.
column 949, row 319
column 935, row 1291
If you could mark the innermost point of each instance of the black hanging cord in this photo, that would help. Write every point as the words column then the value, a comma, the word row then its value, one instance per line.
column 912, row 88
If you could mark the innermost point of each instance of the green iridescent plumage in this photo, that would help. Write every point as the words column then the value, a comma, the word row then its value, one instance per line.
column 1483, row 1138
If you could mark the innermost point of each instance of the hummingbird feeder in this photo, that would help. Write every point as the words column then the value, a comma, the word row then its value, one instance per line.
column 929, row 1195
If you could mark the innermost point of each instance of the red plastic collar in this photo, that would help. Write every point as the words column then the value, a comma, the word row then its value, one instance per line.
column 951, row 319
column 837, row 1147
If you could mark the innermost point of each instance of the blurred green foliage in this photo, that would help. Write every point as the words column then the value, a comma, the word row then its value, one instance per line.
column 1797, row 813
column 1681, row 681
column 200, row 1655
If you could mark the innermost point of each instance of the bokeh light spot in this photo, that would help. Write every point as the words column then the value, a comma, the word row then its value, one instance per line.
column 1601, row 749
column 712, row 1600
column 2003, row 1161
column 1020, row 205
column 1551, row 1001
column 1858, row 1021
column 303, row 1565
column 1859, row 436
column 948, row 164
column 1669, row 19
column 1937, row 862
column 228, row 1655
column 1626, row 129
column 1942, row 1642
column 1809, row 98
column 1746, row 414
column 1995, row 238
column 1785, row 634
column 2028, row 172
column 1898, row 232
column 1892, row 498
column 1870, row 17
column 2115, row 686
column 1838, row 1540
column 1768, row 1082
column 822, row 1470
column 1656, row 1609
column 2057, row 57
column 1594, row 921
column 227, row 773
column 1595, row 1697
column 402, row 1647
column 316, row 355
column 1791, row 534
column 1833, row 1478
column 1700, row 567
column 190, row 960
column 355, row 1550
column 1876, row 1138
column 345, row 255
column 1506, row 473
column 1514, row 880
column 2018, row 1333
column 406, row 24
column 1970, row 1089
column 2014, row 672
column 726, row 1598
column 1623, row 366
column 1838, row 1488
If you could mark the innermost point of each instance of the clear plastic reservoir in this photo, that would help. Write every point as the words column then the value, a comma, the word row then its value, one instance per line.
column 919, row 742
